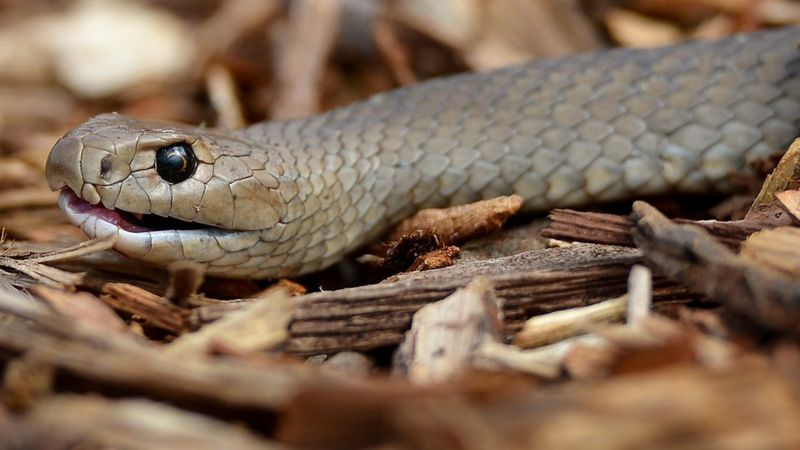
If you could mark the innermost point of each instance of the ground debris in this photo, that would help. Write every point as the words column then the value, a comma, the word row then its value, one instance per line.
column 612, row 229
column 93, row 422
column 688, row 254
column 427, row 240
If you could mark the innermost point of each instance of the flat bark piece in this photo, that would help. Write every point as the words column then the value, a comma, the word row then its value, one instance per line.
column 688, row 254
column 444, row 335
column 258, row 326
column 612, row 229
column 152, row 309
column 531, row 283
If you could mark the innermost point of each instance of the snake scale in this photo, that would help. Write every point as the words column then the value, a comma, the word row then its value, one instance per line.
column 285, row 198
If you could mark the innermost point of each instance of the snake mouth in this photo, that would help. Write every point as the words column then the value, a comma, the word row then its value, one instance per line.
column 78, row 210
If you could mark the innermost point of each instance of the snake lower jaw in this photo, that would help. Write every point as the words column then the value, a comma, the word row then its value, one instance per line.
column 225, row 253
column 136, row 236
column 98, row 222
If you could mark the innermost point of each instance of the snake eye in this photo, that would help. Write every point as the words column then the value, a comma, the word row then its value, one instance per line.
column 176, row 162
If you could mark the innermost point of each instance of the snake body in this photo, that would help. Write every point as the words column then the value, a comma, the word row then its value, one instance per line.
column 285, row 198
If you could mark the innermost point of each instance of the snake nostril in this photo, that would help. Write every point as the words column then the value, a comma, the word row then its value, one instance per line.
column 105, row 166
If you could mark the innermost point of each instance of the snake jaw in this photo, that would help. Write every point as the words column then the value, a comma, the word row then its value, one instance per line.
column 105, row 170
column 160, row 247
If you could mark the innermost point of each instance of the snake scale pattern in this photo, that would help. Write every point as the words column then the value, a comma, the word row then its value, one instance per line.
column 286, row 198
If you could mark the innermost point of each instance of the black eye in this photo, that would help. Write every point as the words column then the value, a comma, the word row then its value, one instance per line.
column 176, row 162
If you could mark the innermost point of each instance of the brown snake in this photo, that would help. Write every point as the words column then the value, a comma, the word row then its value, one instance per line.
column 285, row 198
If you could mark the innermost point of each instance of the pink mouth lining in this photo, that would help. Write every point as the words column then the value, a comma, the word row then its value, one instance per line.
column 80, row 206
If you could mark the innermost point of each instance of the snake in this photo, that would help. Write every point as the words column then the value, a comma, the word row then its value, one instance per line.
column 285, row 198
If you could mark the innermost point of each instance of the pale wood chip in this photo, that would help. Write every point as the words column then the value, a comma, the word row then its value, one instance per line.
column 303, row 53
column 778, row 249
column 224, row 97
column 640, row 294
column 765, row 207
column 257, row 326
column 546, row 361
column 445, row 335
column 790, row 202
column 560, row 325
column 635, row 30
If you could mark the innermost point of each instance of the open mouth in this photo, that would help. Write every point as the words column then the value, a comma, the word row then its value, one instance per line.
column 131, row 222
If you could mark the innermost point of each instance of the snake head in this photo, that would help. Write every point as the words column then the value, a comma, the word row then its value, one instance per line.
column 169, row 191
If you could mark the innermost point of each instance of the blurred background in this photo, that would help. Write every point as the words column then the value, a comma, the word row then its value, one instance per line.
column 233, row 62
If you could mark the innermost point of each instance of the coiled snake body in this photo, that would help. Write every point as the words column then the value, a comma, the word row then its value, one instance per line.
column 286, row 198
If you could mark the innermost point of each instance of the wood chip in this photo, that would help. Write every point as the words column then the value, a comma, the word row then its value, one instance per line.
column 258, row 326
column 302, row 57
column 777, row 249
column 790, row 202
column 546, row 361
column 630, row 29
column 460, row 223
column 234, row 20
column 445, row 335
column 612, row 229
column 640, row 294
column 560, row 325
column 689, row 254
column 765, row 207
column 223, row 94
column 153, row 310
column 185, row 278
column 567, row 224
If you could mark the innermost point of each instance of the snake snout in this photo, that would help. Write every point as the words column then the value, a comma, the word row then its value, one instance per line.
column 63, row 168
